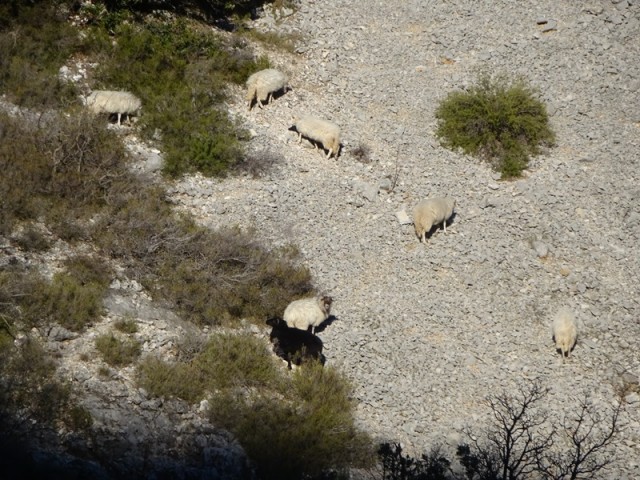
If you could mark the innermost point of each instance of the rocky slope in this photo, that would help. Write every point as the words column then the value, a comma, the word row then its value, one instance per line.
column 426, row 332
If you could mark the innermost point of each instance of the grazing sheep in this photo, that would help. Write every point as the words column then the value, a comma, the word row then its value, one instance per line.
column 293, row 345
column 432, row 212
column 565, row 331
column 107, row 101
column 263, row 84
column 319, row 131
column 307, row 313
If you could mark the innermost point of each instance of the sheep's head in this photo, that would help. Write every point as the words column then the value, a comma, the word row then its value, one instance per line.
column 422, row 227
column 325, row 304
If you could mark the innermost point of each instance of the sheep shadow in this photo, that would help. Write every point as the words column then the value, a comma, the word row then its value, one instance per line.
column 322, row 327
column 438, row 226
column 274, row 96
column 293, row 345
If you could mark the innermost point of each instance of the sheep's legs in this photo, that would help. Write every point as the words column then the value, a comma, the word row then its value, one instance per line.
column 119, row 114
column 299, row 137
column 444, row 226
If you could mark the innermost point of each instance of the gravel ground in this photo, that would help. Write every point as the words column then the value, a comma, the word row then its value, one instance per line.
column 427, row 331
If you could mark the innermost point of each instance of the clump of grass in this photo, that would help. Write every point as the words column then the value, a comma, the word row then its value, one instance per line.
column 73, row 298
column 498, row 120
column 69, row 302
column 118, row 352
column 126, row 326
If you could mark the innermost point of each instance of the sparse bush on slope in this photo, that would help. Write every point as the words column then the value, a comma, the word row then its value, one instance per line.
column 500, row 121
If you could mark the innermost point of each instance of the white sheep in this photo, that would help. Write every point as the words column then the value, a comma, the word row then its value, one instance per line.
column 307, row 313
column 432, row 212
column 319, row 131
column 113, row 102
column 565, row 331
column 263, row 84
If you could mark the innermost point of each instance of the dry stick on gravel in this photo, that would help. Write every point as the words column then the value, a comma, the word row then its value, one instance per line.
column 397, row 172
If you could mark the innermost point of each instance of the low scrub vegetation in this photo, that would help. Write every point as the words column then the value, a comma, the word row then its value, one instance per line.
column 117, row 351
column 523, row 442
column 35, row 41
column 499, row 120
column 66, row 177
column 31, row 391
column 225, row 361
column 290, row 425
column 180, row 72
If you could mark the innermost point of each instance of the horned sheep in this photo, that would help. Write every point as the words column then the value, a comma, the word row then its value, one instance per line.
column 319, row 131
column 565, row 331
column 307, row 313
column 113, row 102
column 262, row 85
column 432, row 212
column 294, row 345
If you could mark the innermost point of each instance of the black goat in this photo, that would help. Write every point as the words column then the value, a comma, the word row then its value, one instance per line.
column 294, row 345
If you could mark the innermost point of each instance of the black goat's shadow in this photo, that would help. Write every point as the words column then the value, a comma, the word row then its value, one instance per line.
column 321, row 328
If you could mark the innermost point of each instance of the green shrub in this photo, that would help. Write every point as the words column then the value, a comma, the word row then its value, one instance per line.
column 35, row 41
column 69, row 302
column 88, row 269
column 225, row 275
column 162, row 379
column 226, row 361
column 63, row 171
column 497, row 120
column 308, row 431
column 118, row 352
column 73, row 298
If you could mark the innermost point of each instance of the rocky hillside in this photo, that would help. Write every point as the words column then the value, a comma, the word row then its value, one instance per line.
column 426, row 332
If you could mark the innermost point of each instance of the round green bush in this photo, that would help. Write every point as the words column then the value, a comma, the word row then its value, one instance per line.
column 498, row 120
